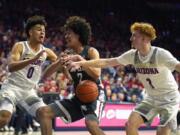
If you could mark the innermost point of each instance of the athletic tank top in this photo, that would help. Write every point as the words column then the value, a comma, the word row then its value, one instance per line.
column 79, row 74
column 157, row 80
column 29, row 76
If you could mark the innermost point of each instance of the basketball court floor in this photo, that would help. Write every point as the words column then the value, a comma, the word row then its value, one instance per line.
column 149, row 132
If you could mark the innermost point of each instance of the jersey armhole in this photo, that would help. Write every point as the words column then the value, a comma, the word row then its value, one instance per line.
column 23, row 48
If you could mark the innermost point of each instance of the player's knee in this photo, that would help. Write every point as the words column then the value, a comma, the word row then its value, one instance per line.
column 131, row 123
column 91, row 124
column 5, row 117
column 45, row 112
column 134, row 121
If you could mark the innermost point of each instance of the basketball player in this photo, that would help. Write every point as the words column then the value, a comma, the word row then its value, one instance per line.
column 153, row 66
column 25, row 65
column 77, row 34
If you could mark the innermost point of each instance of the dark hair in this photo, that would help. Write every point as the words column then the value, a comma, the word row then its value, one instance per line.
column 33, row 21
column 79, row 26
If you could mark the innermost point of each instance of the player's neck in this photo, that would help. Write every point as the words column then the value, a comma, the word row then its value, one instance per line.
column 34, row 45
column 78, row 49
column 144, row 51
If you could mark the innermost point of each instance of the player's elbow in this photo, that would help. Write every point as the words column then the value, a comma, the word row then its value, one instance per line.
column 97, row 75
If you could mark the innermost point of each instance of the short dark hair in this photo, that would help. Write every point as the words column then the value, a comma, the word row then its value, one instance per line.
column 79, row 26
column 32, row 21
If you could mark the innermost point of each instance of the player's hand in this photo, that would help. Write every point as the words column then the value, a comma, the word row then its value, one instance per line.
column 38, row 55
column 73, row 58
column 61, row 59
column 71, row 65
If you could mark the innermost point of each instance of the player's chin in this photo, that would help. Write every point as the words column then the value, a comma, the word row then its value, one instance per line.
column 41, row 41
column 69, row 45
column 133, row 46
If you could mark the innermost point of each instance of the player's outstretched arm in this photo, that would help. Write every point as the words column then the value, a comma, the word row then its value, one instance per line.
column 98, row 63
column 15, row 63
column 124, row 59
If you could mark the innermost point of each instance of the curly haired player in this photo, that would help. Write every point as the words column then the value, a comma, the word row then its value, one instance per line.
column 77, row 34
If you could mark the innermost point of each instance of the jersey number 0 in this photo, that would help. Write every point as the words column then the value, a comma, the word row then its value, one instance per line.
column 30, row 72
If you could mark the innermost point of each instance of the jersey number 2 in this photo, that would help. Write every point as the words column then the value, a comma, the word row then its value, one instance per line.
column 79, row 75
column 150, row 83
column 30, row 72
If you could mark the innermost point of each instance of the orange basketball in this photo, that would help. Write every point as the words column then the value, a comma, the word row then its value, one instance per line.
column 87, row 91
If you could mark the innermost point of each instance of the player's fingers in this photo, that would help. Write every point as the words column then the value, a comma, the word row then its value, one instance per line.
column 67, row 63
column 63, row 60
column 67, row 58
column 62, row 54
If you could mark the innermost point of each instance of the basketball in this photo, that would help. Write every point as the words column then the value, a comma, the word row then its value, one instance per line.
column 87, row 91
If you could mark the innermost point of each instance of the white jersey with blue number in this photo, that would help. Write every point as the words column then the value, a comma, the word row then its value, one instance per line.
column 29, row 76
column 154, row 71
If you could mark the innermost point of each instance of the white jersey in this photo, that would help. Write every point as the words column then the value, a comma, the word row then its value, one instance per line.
column 29, row 76
column 154, row 71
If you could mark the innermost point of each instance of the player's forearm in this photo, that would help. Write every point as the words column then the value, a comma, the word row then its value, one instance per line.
column 51, row 69
column 99, row 63
column 18, row 65
column 93, row 72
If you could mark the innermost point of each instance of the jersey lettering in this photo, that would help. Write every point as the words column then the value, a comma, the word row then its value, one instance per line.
column 147, row 70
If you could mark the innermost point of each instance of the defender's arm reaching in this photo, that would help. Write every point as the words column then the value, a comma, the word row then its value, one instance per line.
column 98, row 63
column 124, row 59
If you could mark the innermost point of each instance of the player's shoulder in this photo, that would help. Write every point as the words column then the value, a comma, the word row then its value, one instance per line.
column 46, row 49
column 163, row 54
column 92, row 50
column 161, row 51
column 132, row 51
column 50, row 54
column 19, row 45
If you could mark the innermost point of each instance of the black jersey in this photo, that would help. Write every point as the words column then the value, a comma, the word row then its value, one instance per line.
column 79, row 74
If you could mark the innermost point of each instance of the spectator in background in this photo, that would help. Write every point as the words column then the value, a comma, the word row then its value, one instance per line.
column 114, row 98
column 108, row 92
